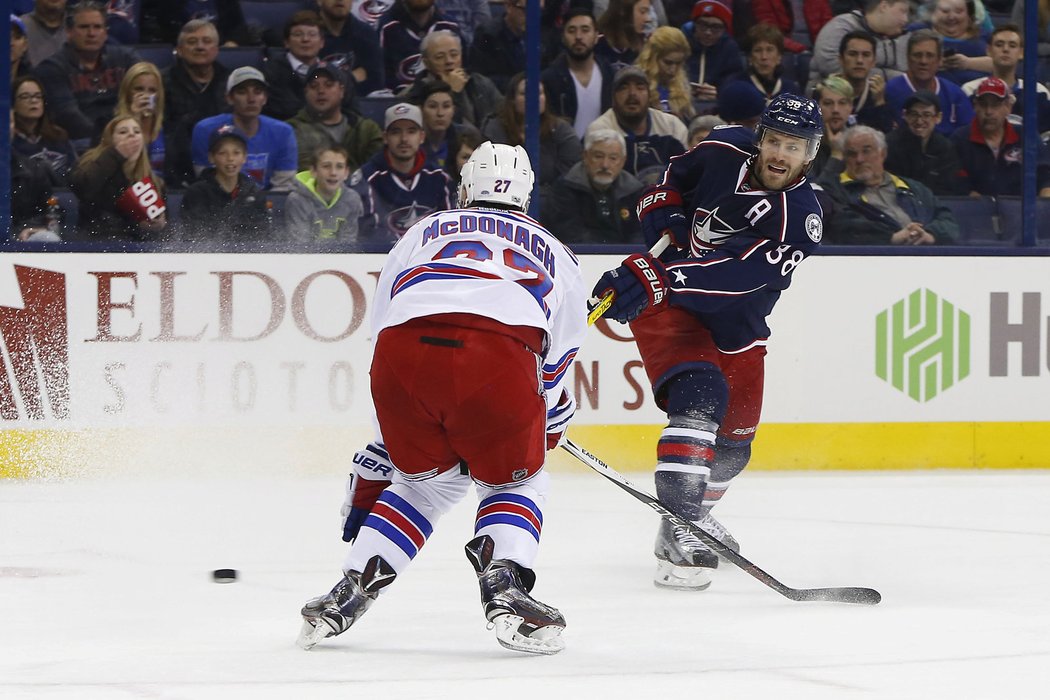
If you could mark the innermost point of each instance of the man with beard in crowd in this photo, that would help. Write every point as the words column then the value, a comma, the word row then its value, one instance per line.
column 579, row 86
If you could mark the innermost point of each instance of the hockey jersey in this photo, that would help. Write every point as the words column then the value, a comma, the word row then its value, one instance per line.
column 394, row 201
column 745, row 243
column 497, row 264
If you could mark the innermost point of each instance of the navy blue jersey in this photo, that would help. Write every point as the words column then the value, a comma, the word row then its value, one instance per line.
column 744, row 242
column 394, row 201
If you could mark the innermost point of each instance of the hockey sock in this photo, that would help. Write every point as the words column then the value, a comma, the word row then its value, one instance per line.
column 513, row 518
column 683, row 458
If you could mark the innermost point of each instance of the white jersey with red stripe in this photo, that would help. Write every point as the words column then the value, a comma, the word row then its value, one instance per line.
column 493, row 263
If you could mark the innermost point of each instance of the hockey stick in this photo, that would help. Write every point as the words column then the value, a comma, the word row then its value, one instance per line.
column 606, row 301
column 860, row 596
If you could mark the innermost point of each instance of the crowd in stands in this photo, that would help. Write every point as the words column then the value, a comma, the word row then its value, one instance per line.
column 348, row 120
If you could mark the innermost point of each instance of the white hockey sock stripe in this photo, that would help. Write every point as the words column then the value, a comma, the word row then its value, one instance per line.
column 399, row 521
column 510, row 509
column 714, row 492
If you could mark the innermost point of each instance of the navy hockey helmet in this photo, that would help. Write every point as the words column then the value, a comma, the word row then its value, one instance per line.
column 795, row 116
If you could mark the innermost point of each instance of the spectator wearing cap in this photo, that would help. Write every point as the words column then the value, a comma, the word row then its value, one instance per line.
column 401, row 29
column 652, row 136
column 355, row 42
column 473, row 94
column 595, row 201
column 286, row 74
column 19, row 45
column 194, row 88
column 321, row 206
column 716, row 55
column 45, row 29
column 920, row 152
column 398, row 186
column 272, row 150
column 324, row 120
column 559, row 147
column 83, row 78
column 498, row 49
column 885, row 20
column 742, row 104
column 857, row 59
column 924, row 60
column 765, row 49
column 991, row 150
column 1006, row 47
column 876, row 207
column 578, row 84
column 225, row 204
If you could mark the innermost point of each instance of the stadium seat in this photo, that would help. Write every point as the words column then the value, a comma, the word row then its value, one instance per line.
column 375, row 107
column 271, row 15
column 1009, row 209
column 978, row 220
column 160, row 55
column 237, row 56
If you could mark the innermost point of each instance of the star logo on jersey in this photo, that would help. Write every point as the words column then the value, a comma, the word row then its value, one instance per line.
column 679, row 276
column 400, row 220
column 710, row 230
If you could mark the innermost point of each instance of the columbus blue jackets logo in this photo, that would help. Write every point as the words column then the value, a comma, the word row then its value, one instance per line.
column 814, row 228
column 400, row 220
column 709, row 230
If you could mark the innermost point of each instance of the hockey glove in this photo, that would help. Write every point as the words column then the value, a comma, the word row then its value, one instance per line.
column 660, row 212
column 371, row 474
column 640, row 283
column 558, row 418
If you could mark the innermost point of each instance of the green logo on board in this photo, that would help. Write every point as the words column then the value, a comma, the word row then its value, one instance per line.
column 922, row 345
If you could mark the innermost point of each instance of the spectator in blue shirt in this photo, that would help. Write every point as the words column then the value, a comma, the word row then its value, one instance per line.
column 924, row 60
column 272, row 150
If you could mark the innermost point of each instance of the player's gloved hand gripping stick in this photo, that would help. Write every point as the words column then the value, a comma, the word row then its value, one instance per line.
column 641, row 281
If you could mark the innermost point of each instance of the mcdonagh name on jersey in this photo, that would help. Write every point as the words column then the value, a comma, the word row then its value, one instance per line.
column 495, row 225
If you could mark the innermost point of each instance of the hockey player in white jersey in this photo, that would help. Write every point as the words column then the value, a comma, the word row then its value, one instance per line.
column 478, row 315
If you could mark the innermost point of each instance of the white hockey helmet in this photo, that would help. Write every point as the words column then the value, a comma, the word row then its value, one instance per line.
column 498, row 174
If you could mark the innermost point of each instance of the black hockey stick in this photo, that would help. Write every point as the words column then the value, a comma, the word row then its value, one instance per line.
column 848, row 594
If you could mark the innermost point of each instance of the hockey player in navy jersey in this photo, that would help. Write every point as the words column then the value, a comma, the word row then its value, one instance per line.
column 741, row 218
column 478, row 315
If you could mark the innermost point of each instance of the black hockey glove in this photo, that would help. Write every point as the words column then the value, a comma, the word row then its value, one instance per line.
column 640, row 283
column 660, row 212
column 371, row 474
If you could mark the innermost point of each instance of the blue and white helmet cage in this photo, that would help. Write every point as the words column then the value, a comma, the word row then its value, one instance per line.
column 795, row 116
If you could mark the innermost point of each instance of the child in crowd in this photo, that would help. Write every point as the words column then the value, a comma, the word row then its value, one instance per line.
column 225, row 204
column 320, row 206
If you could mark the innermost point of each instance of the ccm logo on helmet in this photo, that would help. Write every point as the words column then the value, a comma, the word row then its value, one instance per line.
column 655, row 285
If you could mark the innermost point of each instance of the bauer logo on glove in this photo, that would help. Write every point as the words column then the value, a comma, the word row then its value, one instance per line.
column 639, row 284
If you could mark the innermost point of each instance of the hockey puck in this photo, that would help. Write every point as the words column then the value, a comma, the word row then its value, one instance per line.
column 224, row 575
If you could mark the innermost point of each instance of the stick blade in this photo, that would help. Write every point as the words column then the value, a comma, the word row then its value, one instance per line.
column 848, row 594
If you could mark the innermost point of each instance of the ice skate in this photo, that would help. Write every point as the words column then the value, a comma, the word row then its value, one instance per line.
column 522, row 623
column 716, row 529
column 334, row 612
column 684, row 562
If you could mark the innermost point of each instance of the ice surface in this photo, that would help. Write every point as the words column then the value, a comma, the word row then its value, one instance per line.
column 105, row 592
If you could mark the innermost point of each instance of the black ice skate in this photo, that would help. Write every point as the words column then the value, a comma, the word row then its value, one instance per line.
column 684, row 562
column 333, row 613
column 522, row 623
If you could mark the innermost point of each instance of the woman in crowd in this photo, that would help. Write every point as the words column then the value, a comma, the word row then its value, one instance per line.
column 560, row 149
column 121, row 198
column 31, row 192
column 663, row 60
column 19, row 46
column 965, row 43
column 437, row 107
column 142, row 96
column 624, row 28
column 765, row 50
column 36, row 137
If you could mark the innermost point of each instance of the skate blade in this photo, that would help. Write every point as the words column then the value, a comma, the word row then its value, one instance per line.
column 546, row 640
column 310, row 634
column 681, row 578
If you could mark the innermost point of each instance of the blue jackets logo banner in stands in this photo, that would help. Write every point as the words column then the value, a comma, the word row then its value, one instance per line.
column 745, row 242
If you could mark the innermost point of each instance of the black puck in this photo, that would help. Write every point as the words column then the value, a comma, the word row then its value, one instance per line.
column 224, row 575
